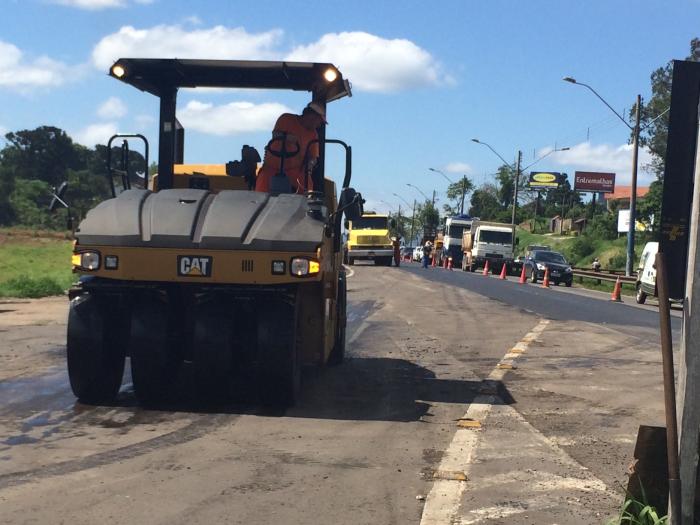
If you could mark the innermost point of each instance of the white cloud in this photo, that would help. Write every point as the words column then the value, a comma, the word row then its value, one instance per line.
column 19, row 73
column 603, row 157
column 112, row 108
column 230, row 119
column 95, row 134
column 96, row 5
column 173, row 41
column 458, row 167
column 373, row 63
column 143, row 121
column 193, row 20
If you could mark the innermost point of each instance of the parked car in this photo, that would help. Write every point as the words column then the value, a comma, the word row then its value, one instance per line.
column 646, row 273
column 517, row 266
column 559, row 269
column 407, row 251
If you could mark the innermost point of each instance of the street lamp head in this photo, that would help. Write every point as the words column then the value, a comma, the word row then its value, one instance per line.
column 564, row 149
column 569, row 79
column 476, row 140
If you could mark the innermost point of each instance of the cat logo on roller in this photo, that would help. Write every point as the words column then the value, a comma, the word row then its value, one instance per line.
column 194, row 266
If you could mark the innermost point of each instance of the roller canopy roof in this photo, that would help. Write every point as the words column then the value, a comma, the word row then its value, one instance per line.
column 160, row 76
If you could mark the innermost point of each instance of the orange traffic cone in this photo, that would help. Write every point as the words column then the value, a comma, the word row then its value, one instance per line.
column 503, row 272
column 486, row 269
column 523, row 279
column 444, row 263
column 616, row 294
column 449, row 263
column 433, row 263
column 545, row 281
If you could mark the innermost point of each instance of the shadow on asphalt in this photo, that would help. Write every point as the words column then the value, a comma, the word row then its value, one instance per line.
column 369, row 389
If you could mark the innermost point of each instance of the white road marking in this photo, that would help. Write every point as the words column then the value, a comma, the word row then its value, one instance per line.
column 349, row 272
column 442, row 503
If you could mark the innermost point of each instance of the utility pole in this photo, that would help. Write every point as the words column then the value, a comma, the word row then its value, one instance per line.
column 516, row 183
column 413, row 221
column 464, row 191
column 633, row 194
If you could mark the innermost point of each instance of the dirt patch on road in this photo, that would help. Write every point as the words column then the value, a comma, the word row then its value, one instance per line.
column 32, row 335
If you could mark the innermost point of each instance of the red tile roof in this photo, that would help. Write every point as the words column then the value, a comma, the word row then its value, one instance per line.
column 624, row 192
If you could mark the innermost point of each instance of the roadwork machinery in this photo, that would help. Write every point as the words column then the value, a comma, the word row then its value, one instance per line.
column 195, row 268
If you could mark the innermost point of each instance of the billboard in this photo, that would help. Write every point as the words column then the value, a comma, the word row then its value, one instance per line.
column 544, row 180
column 594, row 181
column 623, row 222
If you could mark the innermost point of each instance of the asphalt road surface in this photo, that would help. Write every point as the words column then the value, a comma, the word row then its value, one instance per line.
column 464, row 399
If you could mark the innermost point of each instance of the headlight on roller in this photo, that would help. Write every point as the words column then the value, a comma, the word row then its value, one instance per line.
column 303, row 267
column 89, row 260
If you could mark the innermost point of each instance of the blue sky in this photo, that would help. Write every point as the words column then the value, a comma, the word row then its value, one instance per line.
column 427, row 77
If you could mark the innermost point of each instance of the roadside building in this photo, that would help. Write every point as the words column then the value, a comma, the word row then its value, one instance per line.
column 621, row 195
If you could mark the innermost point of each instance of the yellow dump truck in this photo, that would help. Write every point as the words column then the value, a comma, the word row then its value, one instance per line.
column 369, row 239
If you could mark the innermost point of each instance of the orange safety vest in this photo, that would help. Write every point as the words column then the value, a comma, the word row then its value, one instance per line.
column 295, row 167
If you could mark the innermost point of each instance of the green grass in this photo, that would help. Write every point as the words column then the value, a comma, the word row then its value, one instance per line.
column 634, row 512
column 34, row 266
column 611, row 253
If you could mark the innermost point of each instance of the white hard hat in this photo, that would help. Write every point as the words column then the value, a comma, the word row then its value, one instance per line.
column 318, row 109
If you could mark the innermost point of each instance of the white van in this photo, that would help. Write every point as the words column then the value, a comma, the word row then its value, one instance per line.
column 646, row 272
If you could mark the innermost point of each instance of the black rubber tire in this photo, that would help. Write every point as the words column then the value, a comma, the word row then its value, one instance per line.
column 640, row 296
column 95, row 351
column 279, row 355
column 338, row 353
column 568, row 284
column 154, row 363
column 212, row 351
column 533, row 276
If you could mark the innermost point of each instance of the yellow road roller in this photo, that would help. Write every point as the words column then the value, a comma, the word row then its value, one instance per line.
column 194, row 273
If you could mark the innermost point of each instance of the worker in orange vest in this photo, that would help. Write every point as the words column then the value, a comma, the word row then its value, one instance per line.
column 293, row 150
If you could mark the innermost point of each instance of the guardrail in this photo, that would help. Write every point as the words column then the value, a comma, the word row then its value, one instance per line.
column 608, row 275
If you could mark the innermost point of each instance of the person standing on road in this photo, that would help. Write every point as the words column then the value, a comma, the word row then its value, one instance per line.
column 596, row 265
column 427, row 250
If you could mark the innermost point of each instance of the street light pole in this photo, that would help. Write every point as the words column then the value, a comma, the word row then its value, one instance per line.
column 635, row 159
column 420, row 191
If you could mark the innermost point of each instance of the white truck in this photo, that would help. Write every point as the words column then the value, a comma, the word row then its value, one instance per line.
column 646, row 273
column 488, row 241
column 455, row 228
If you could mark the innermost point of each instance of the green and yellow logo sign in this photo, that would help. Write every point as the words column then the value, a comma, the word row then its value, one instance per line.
column 544, row 179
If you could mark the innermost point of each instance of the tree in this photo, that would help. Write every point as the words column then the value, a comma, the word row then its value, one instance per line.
column 427, row 217
column 485, row 203
column 504, row 176
column 45, row 153
column 654, row 132
column 30, row 203
column 457, row 192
